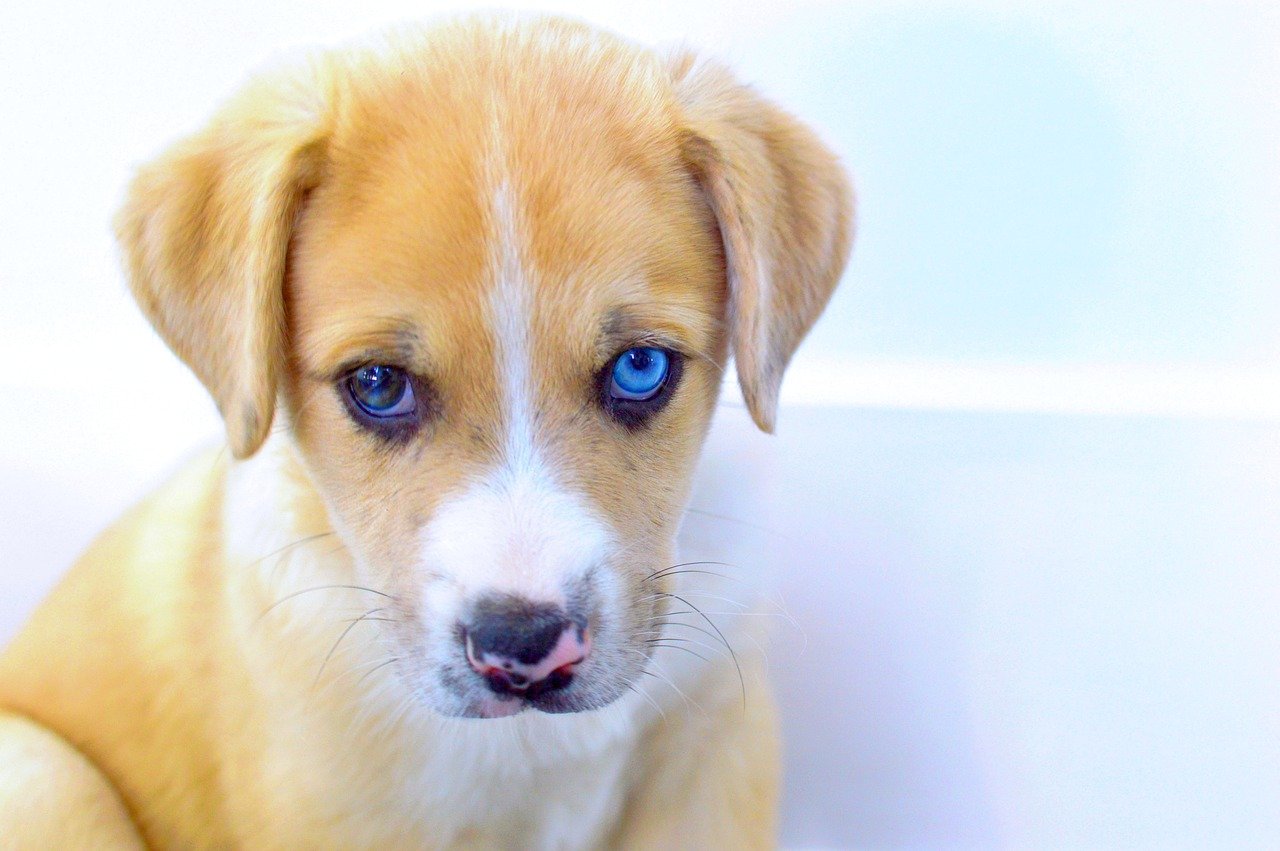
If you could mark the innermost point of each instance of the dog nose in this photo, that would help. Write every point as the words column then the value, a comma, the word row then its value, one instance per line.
column 523, row 649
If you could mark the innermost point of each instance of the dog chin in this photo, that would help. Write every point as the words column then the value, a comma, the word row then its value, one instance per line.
column 497, row 707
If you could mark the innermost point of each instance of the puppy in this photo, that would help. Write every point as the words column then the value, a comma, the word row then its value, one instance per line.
column 483, row 281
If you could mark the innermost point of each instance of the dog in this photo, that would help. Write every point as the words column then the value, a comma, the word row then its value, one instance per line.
column 464, row 303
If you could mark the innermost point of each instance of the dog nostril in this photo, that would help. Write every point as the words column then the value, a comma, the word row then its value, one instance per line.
column 523, row 649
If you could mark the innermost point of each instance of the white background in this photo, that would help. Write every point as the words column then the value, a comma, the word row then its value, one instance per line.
column 1023, row 502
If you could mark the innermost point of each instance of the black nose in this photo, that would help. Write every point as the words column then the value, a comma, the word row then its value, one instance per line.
column 523, row 648
column 515, row 629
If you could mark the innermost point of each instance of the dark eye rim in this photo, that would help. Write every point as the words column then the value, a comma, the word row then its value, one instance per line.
column 393, row 428
column 634, row 414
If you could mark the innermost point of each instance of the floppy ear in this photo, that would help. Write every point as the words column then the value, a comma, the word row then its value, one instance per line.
column 205, row 231
column 785, row 210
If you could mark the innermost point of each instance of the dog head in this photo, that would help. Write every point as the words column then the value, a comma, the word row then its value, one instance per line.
column 489, row 277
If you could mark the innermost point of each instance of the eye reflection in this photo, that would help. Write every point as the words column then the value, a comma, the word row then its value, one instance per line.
column 639, row 373
column 382, row 391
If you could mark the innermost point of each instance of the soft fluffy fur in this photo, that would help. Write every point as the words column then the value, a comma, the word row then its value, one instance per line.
column 500, row 207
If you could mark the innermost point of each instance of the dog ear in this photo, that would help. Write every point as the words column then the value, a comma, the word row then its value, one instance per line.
column 205, row 232
column 785, row 210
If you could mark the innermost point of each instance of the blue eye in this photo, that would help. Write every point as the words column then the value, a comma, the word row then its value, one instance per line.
column 382, row 391
column 639, row 374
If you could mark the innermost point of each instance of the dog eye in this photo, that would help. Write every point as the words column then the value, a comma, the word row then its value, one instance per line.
column 638, row 383
column 638, row 374
column 382, row 391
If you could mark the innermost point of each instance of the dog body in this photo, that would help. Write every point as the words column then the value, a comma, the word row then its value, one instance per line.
column 487, row 278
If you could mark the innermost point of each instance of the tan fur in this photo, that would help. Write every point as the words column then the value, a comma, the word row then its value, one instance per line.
column 355, row 213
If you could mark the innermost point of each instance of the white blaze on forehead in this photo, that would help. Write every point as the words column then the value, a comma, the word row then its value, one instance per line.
column 518, row 530
column 511, row 312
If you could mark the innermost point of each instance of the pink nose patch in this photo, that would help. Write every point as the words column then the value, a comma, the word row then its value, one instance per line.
column 571, row 649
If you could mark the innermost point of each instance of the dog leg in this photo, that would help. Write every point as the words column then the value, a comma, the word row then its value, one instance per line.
column 52, row 797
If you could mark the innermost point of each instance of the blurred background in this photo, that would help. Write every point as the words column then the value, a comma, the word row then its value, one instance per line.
column 1025, row 482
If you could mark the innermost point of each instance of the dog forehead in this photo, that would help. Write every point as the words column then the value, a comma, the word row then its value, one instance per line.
column 428, row 190
column 453, row 271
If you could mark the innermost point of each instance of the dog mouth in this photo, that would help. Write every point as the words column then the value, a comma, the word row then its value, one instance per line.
column 506, row 692
column 481, row 689
column 493, row 704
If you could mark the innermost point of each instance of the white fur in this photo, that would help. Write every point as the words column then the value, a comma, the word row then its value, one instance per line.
column 514, row 533
column 511, row 310
column 553, row 779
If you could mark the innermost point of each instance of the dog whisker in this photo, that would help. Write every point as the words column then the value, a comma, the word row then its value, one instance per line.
column 658, row 573
column 289, row 597
column 739, row 614
column 773, row 602
column 283, row 558
column 377, row 667
column 298, row 543
column 741, row 681
column 658, row 642
column 670, row 614
column 723, row 645
column 656, row 636
column 711, row 648
column 782, row 615
column 708, row 595
column 663, row 676
column 629, row 687
column 688, row 705
column 371, row 666
column 666, row 574
column 334, row 648
column 727, row 519
column 696, row 628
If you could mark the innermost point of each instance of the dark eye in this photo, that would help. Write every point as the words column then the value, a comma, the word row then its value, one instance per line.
column 383, row 392
column 639, row 374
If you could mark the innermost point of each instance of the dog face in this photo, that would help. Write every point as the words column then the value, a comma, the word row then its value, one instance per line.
column 491, row 278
